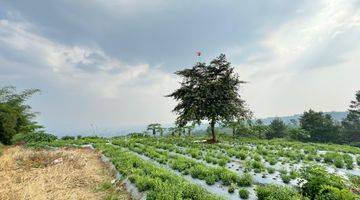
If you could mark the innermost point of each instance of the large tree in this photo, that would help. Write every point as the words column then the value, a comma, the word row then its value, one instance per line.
column 15, row 115
column 351, row 123
column 320, row 126
column 209, row 92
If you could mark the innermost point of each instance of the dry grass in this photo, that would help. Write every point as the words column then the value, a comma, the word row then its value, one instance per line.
column 62, row 174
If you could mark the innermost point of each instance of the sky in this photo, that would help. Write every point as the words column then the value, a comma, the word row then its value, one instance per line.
column 106, row 66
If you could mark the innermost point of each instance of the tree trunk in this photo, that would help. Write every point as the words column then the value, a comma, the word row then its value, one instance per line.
column 212, row 124
column 154, row 132
column 234, row 131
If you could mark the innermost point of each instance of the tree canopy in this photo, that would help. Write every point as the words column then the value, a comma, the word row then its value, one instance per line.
column 320, row 126
column 15, row 115
column 351, row 123
column 209, row 92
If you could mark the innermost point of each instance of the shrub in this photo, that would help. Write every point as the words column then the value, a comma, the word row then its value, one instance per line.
column 228, row 177
column 33, row 137
column 338, row 162
column 67, row 137
column 274, row 192
column 316, row 177
column 244, row 193
column 245, row 180
column 270, row 170
column 285, row 178
column 348, row 161
column 328, row 157
column 293, row 174
column 358, row 160
column 231, row 188
column 210, row 180
column 329, row 193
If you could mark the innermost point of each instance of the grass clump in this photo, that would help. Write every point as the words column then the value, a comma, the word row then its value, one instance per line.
column 272, row 192
column 245, row 180
column 244, row 193
column 231, row 188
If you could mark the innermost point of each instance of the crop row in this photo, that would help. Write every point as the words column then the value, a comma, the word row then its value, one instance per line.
column 158, row 182
column 186, row 166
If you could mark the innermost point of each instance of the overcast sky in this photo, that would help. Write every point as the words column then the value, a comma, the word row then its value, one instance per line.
column 109, row 63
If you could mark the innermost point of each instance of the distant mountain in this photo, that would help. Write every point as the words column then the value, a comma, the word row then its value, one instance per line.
column 337, row 116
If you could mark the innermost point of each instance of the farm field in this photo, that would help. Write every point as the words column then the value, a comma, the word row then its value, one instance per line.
column 241, row 168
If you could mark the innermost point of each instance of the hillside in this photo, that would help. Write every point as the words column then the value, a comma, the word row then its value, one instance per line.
column 337, row 116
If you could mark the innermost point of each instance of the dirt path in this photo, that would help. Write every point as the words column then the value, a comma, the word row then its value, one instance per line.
column 63, row 174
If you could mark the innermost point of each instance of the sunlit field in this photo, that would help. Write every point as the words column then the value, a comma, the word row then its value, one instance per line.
column 234, row 168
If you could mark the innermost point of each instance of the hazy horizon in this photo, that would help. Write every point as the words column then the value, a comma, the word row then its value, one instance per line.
column 111, row 63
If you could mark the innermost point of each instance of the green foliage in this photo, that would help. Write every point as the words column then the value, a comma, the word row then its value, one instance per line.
column 15, row 115
column 277, row 129
column 154, row 128
column 274, row 192
column 296, row 133
column 270, row 170
column 351, row 123
column 67, row 137
column 316, row 178
column 285, row 178
column 209, row 92
column 231, row 188
column 244, row 193
column 329, row 193
column 245, row 180
column 33, row 137
column 321, row 127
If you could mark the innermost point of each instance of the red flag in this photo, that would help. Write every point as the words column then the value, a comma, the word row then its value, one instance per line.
column 198, row 53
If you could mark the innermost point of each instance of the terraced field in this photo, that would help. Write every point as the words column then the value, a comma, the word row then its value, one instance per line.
column 187, row 168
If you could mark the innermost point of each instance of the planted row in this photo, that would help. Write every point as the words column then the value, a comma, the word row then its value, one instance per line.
column 158, row 182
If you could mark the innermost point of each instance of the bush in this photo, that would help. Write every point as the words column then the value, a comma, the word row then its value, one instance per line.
column 348, row 161
column 210, row 180
column 316, row 177
column 67, row 137
column 231, row 188
column 33, row 137
column 298, row 134
column 329, row 193
column 244, row 193
column 338, row 162
column 270, row 170
column 274, row 192
column 285, row 178
column 245, row 180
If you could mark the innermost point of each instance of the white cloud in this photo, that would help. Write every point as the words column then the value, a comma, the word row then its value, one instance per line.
column 108, row 78
column 96, row 88
column 305, row 57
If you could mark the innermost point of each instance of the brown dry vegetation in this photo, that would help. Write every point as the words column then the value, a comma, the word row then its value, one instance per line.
column 61, row 174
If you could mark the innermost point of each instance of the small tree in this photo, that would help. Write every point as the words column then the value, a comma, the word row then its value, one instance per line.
column 351, row 123
column 277, row 129
column 154, row 127
column 209, row 92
